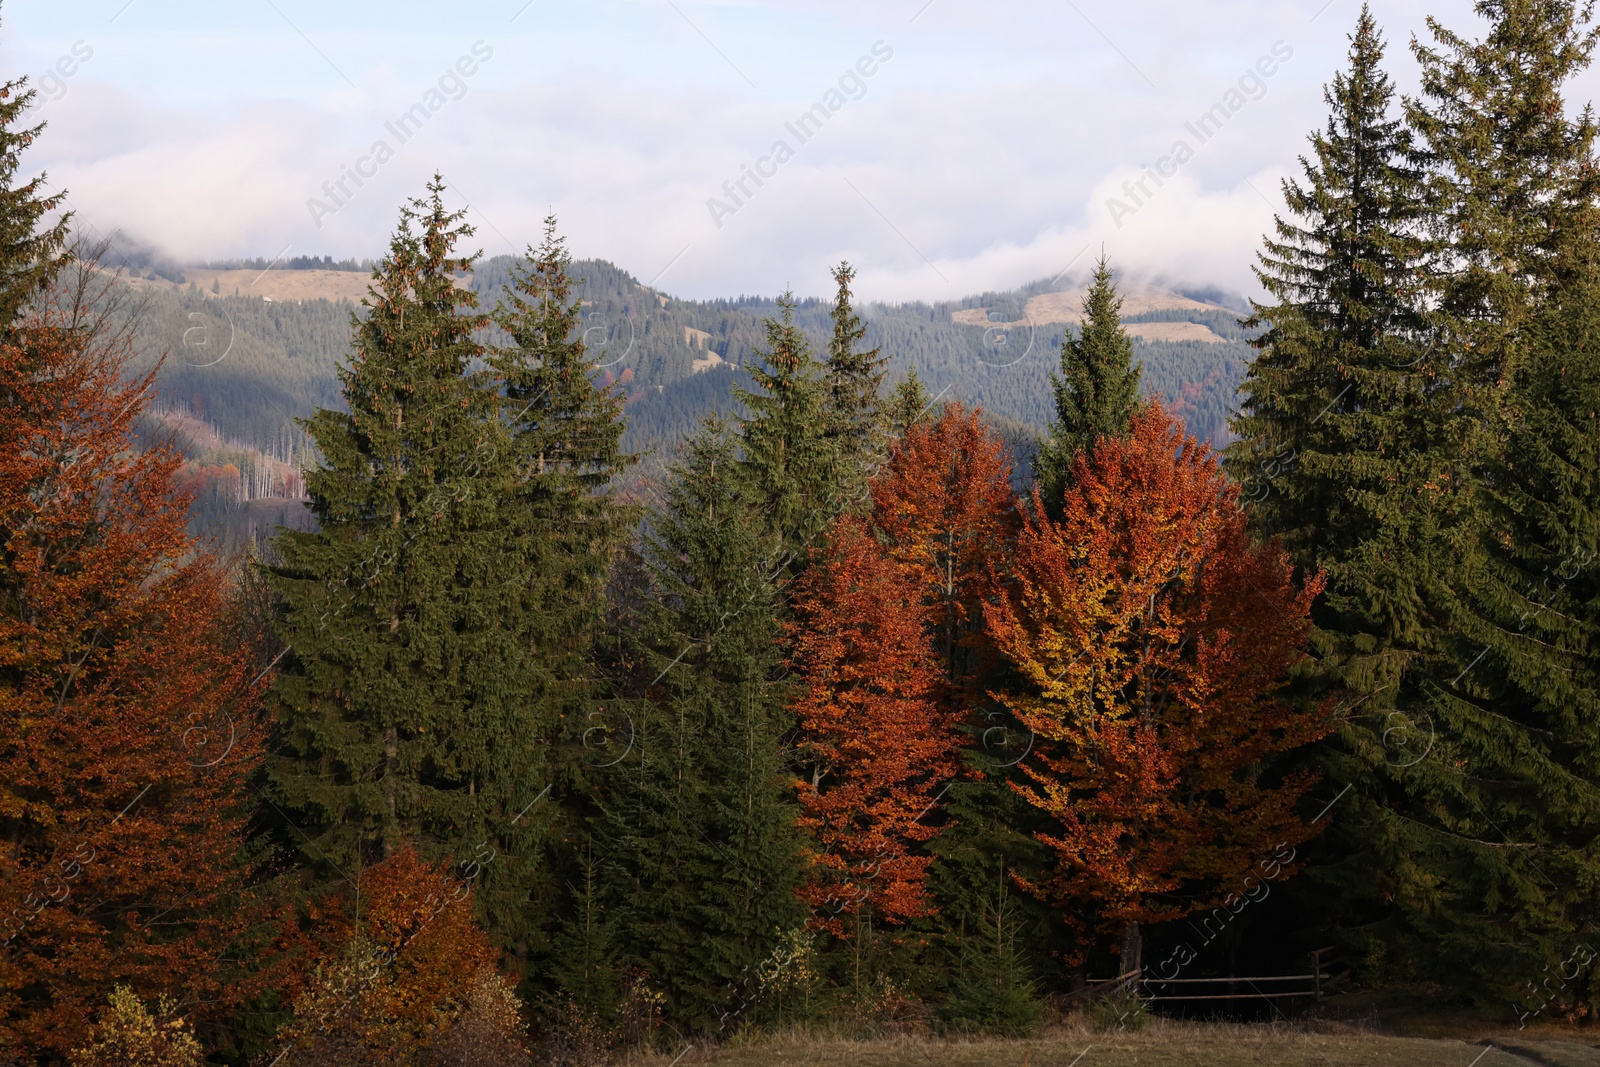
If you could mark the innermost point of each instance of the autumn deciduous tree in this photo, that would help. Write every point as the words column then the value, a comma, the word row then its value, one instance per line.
column 399, row 962
column 1153, row 637
column 130, row 1035
column 946, row 510
column 127, row 718
column 879, row 741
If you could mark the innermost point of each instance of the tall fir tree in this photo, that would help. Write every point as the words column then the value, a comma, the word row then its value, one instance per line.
column 908, row 404
column 1339, row 392
column 699, row 822
column 1345, row 451
column 566, row 448
column 1509, row 842
column 1390, row 436
column 1097, row 392
column 411, row 709
column 854, row 379
column 1492, row 880
column 788, row 453
column 31, row 254
column 1507, row 178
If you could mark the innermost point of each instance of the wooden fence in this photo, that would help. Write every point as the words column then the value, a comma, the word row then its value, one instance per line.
column 1312, row 986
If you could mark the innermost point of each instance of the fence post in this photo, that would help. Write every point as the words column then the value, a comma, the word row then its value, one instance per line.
column 1316, row 971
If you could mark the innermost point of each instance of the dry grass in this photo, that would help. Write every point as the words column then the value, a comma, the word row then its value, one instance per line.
column 1067, row 306
column 1174, row 331
column 275, row 284
column 1165, row 1043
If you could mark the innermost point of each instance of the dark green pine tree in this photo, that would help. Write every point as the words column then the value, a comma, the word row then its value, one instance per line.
column 1507, row 178
column 698, row 826
column 1097, row 392
column 993, row 989
column 566, row 448
column 1499, row 836
column 854, row 379
column 408, row 710
column 584, row 961
column 1384, row 436
column 1343, row 427
column 30, row 256
column 1345, row 451
column 1509, row 837
column 908, row 404
column 788, row 454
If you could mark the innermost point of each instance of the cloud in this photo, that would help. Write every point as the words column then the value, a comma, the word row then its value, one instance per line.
column 980, row 157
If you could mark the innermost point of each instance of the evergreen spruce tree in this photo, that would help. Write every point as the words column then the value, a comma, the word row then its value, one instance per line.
column 30, row 256
column 788, row 453
column 908, row 404
column 584, row 962
column 409, row 709
column 699, row 819
column 1344, row 445
column 854, row 379
column 1507, row 179
column 1501, row 825
column 1509, row 841
column 1097, row 391
column 1409, row 429
column 1339, row 394
column 566, row 447
column 1344, row 425
column 994, row 990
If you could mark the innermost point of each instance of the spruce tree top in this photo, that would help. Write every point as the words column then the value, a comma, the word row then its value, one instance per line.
column 1098, row 389
column 787, row 451
column 854, row 377
column 412, row 349
column 1509, row 173
column 568, row 429
column 1339, row 420
column 909, row 403
column 1346, row 275
column 29, row 257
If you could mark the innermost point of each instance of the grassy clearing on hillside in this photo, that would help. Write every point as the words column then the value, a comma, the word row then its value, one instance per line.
column 1165, row 1043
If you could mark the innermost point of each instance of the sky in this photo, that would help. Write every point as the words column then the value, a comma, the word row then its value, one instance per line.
column 952, row 147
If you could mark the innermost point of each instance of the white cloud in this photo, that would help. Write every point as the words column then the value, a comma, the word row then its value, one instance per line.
column 989, row 143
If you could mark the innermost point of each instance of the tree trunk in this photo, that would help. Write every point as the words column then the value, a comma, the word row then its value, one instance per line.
column 391, row 752
column 1131, row 948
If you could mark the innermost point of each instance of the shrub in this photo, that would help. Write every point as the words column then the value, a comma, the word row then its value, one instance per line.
column 130, row 1036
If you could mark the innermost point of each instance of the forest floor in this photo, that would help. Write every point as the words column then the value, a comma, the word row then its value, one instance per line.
column 1167, row 1043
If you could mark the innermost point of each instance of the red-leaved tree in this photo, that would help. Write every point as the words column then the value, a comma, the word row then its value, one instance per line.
column 127, row 719
column 879, row 741
column 947, row 513
column 1155, row 639
column 393, row 963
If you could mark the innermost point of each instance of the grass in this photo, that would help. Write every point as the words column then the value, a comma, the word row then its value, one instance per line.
column 1165, row 1043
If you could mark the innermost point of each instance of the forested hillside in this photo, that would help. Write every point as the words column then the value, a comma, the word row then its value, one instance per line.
column 250, row 365
column 658, row 675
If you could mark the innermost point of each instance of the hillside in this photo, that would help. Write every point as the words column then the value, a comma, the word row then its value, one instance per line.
column 247, row 352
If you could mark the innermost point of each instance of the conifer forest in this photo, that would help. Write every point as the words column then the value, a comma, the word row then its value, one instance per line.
column 503, row 703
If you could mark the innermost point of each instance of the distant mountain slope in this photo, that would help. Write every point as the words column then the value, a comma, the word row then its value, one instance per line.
column 266, row 348
column 1066, row 305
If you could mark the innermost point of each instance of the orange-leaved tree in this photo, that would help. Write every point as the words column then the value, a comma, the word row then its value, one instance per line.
column 397, row 962
column 127, row 717
column 1154, row 638
column 946, row 511
column 879, row 742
